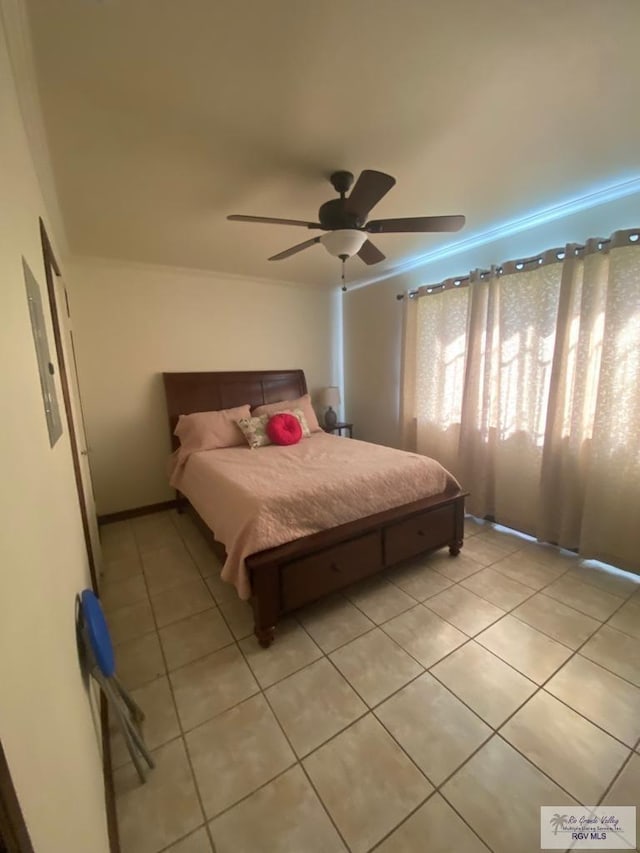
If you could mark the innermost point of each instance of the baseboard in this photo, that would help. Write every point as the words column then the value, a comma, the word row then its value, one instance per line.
column 134, row 513
column 107, row 770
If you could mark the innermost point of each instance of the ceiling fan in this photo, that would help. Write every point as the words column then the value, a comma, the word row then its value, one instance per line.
column 345, row 219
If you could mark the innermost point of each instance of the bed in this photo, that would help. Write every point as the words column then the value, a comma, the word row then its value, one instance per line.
column 289, row 575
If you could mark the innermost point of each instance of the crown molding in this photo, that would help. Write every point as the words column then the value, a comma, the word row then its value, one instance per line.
column 193, row 272
column 597, row 197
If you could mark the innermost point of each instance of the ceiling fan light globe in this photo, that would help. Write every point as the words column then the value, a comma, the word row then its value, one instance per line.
column 343, row 242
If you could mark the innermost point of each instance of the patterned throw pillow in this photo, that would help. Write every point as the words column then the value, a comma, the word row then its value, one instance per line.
column 255, row 430
column 303, row 403
column 299, row 414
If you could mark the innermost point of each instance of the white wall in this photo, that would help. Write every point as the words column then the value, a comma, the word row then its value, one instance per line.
column 46, row 724
column 373, row 316
column 132, row 322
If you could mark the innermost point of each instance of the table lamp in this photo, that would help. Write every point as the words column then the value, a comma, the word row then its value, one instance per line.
column 330, row 397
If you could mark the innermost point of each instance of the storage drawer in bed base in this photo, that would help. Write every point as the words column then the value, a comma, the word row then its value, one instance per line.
column 417, row 534
column 297, row 573
column 311, row 577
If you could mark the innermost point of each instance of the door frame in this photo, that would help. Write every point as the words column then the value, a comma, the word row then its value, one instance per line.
column 51, row 269
column 67, row 332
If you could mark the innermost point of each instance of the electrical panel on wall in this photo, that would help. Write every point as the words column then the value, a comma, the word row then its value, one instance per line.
column 45, row 365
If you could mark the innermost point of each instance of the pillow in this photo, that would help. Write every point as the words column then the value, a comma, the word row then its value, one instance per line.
column 284, row 428
column 299, row 414
column 255, row 430
column 211, row 430
column 303, row 403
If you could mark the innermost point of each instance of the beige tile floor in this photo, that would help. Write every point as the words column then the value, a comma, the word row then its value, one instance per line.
column 434, row 708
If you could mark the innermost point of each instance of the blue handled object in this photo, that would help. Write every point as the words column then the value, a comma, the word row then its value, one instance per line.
column 98, row 633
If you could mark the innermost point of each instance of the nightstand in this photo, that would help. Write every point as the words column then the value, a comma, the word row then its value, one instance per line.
column 339, row 426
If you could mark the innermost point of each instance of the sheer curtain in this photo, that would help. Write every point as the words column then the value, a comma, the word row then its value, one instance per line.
column 526, row 385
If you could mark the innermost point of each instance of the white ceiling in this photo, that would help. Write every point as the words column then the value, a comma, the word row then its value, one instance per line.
column 164, row 116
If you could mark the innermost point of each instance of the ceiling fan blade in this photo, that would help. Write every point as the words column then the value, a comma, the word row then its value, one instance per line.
column 295, row 249
column 237, row 217
column 415, row 224
column 370, row 254
column 370, row 187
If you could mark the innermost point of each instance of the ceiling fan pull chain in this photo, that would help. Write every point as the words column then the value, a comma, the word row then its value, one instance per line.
column 344, row 286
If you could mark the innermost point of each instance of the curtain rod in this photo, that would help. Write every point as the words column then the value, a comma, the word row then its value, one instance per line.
column 551, row 256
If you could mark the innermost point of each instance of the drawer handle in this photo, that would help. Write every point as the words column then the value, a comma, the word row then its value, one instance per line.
column 335, row 568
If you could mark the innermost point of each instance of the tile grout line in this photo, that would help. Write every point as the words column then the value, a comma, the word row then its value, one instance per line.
column 417, row 602
column 632, row 749
column 371, row 709
column 470, row 638
column 511, row 612
column 493, row 730
column 539, row 687
column 424, row 604
column 182, row 838
column 623, row 767
column 434, row 793
column 300, row 763
column 297, row 760
column 173, row 697
column 326, row 655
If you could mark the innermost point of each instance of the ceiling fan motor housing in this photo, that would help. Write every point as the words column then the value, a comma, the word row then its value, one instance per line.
column 333, row 216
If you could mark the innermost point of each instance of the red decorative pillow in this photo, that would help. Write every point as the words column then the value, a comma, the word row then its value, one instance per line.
column 284, row 428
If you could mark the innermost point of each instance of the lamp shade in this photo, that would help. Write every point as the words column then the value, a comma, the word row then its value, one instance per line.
column 346, row 241
column 330, row 397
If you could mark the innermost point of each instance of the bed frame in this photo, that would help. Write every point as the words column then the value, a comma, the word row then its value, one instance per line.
column 296, row 573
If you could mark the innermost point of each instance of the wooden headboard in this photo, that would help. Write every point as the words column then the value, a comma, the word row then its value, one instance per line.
column 209, row 392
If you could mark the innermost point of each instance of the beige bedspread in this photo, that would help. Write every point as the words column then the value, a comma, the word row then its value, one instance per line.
column 257, row 499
